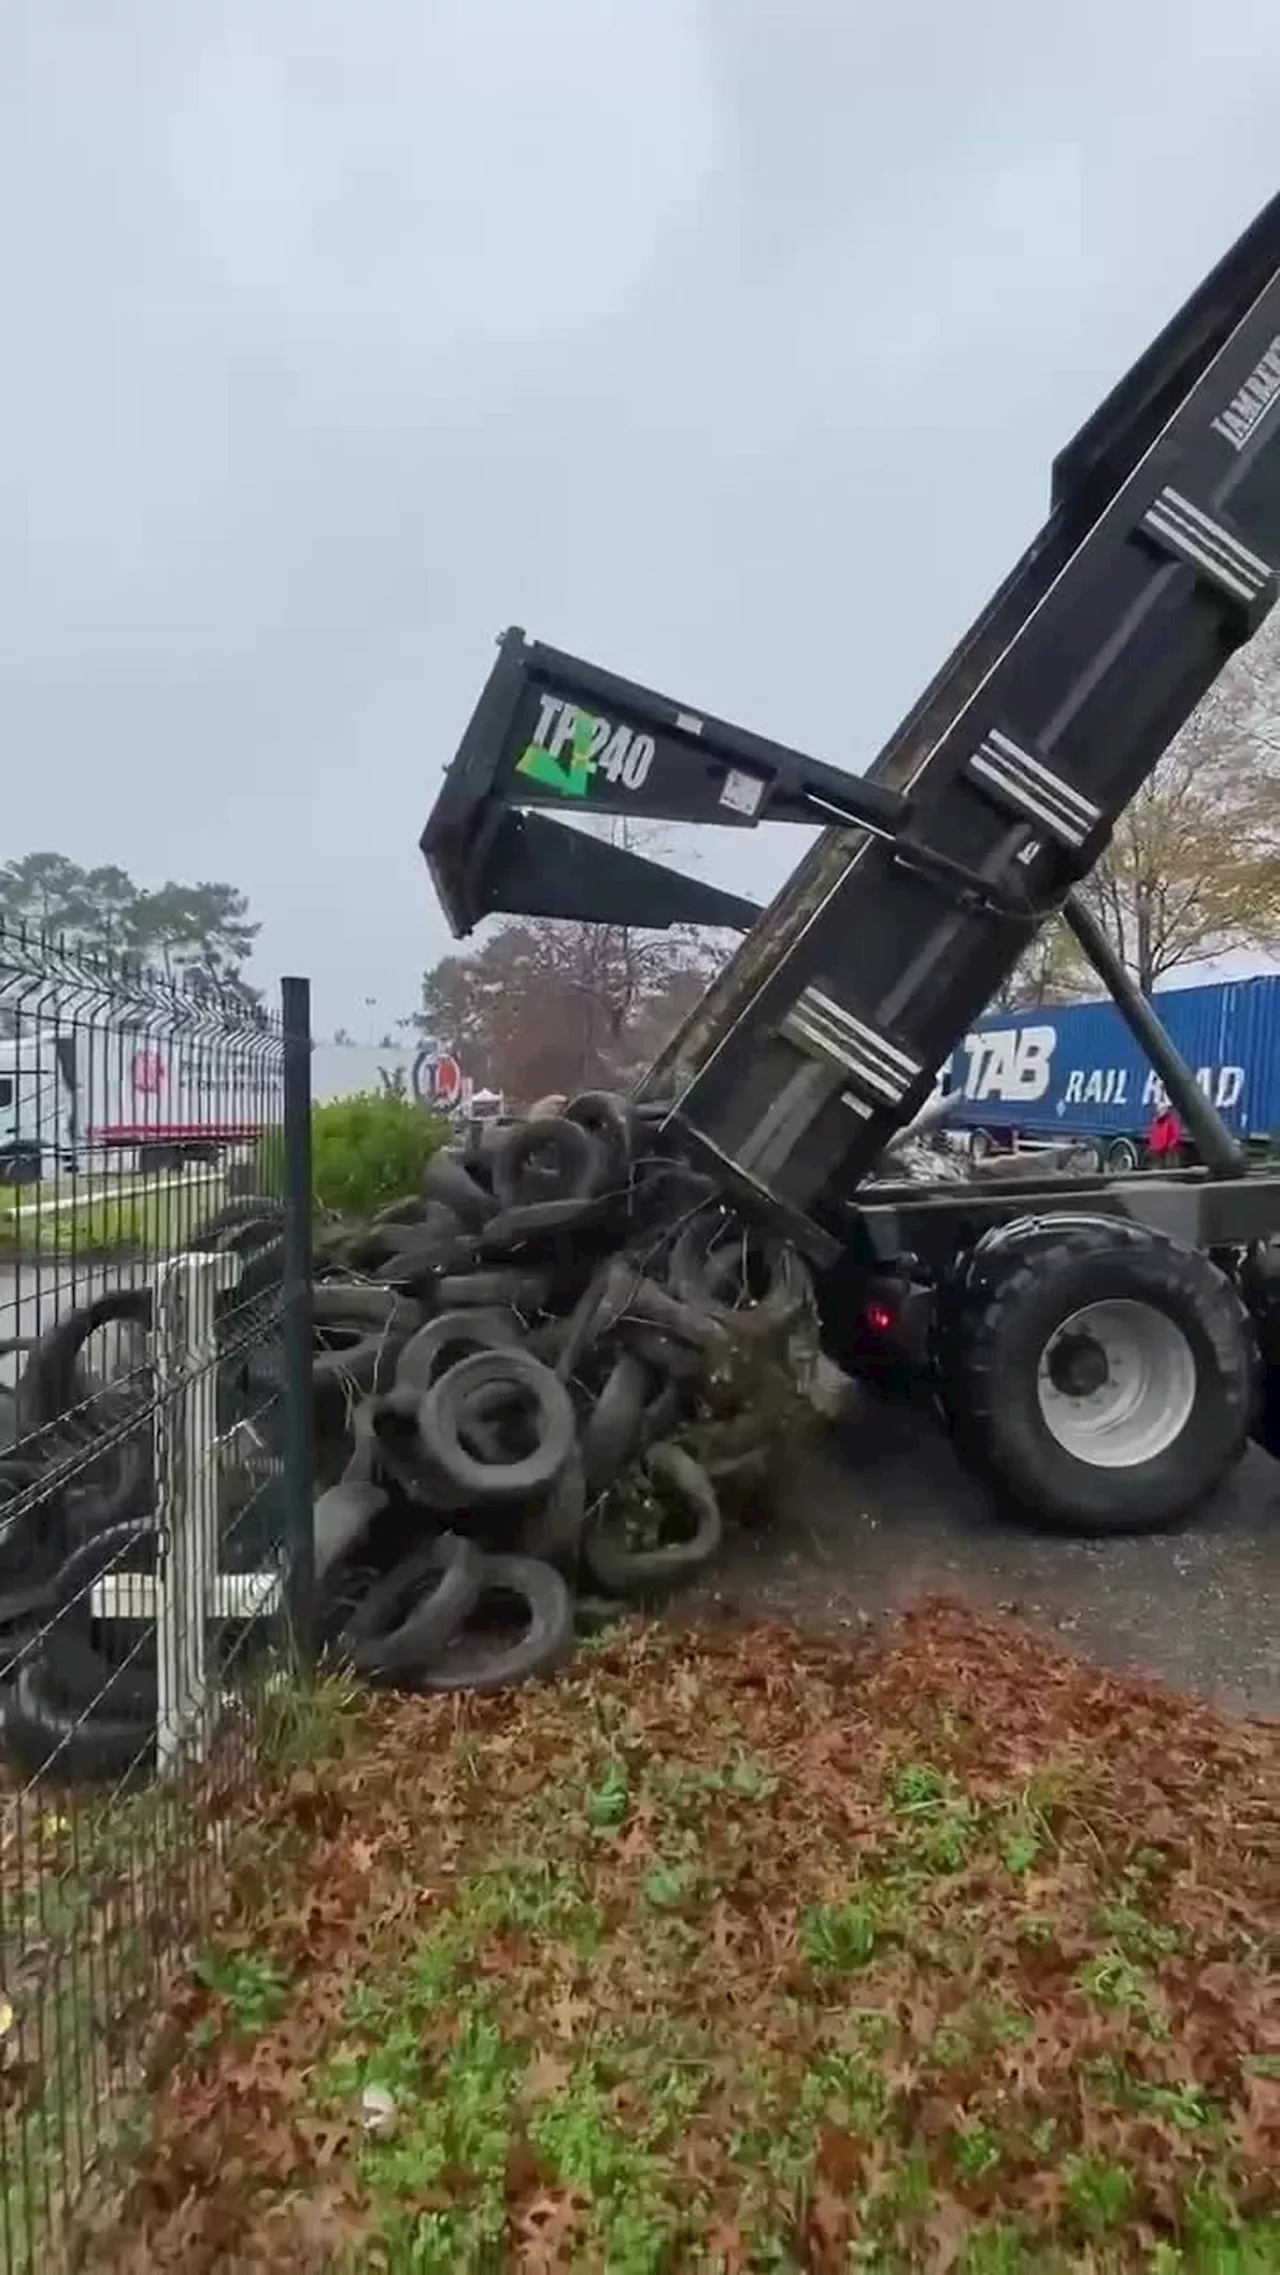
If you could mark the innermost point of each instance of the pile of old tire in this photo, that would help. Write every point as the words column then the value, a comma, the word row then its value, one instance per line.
column 511, row 1366
column 79, row 1695
column 511, row 1371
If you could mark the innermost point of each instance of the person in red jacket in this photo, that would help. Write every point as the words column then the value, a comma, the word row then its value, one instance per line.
column 1166, row 1139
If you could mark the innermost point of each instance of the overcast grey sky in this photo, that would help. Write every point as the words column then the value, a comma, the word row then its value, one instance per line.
column 690, row 334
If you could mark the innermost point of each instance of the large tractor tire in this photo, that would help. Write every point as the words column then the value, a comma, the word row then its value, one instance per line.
column 1261, row 1288
column 1266, row 1427
column 1098, row 1377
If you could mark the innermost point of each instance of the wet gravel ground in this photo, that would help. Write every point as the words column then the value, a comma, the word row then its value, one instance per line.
column 878, row 1513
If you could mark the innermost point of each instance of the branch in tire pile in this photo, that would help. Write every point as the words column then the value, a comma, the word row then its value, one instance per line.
column 754, row 1410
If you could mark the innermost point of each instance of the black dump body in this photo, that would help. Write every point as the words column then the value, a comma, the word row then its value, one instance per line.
column 821, row 1038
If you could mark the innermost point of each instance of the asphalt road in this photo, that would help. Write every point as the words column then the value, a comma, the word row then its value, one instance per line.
column 879, row 1513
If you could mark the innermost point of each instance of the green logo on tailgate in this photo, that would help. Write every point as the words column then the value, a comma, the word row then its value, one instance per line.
column 572, row 752
column 569, row 776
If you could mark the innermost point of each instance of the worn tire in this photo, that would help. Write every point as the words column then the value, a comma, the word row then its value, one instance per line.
column 427, row 1216
column 19, row 1607
column 75, row 1677
column 387, row 1442
column 670, row 1360
column 483, row 1422
column 47, row 1386
column 705, row 1260
column 340, row 1517
column 1016, row 1304
column 470, row 1666
column 23, row 1621
column 452, row 1335
column 545, row 1222
column 622, row 1571
column 606, row 1116
column 360, row 1252
column 446, row 1180
column 551, row 1532
column 544, row 1161
column 612, row 1431
column 418, row 1267
column 507, row 1287
column 103, row 1666
column 407, row 1618
column 591, row 1315
column 442, row 1412
column 249, row 1235
column 117, row 1484
column 40, row 1736
column 32, row 1545
column 406, row 1239
column 623, row 1293
column 261, row 1272
column 690, row 1323
column 234, row 1216
column 379, row 1324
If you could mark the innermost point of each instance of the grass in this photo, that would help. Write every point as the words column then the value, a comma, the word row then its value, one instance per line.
column 142, row 1218
column 97, row 1892
column 73, row 1954
column 737, row 1953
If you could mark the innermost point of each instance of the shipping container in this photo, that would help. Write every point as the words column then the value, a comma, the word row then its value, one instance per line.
column 1075, row 1071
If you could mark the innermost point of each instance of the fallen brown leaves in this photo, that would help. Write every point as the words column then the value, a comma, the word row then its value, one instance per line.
column 746, row 1951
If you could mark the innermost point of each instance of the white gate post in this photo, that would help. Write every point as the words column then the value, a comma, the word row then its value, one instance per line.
column 187, row 1467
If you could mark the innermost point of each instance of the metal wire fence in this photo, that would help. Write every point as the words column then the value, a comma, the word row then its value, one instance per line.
column 152, row 1440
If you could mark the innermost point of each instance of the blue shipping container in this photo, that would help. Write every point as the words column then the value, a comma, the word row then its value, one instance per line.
column 1075, row 1070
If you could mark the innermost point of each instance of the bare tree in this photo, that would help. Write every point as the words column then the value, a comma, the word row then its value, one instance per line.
column 559, row 1006
column 1193, row 869
column 1050, row 971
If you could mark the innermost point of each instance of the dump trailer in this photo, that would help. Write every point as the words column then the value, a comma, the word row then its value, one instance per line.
column 1101, row 1347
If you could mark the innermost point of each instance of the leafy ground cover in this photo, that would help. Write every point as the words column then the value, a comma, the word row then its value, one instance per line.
column 731, row 1950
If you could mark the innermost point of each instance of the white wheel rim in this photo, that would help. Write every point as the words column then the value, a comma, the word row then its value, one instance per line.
column 1145, row 1397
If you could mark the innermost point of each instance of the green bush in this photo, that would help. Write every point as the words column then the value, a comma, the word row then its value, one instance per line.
column 365, row 1151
